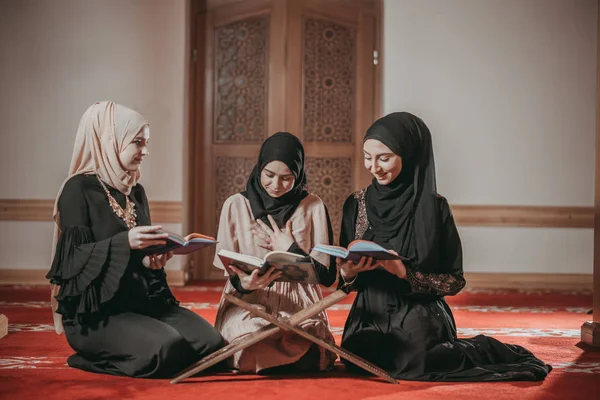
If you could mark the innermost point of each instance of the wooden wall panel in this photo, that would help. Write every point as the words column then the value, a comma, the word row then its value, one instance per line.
column 320, row 170
column 41, row 210
column 523, row 216
column 240, row 80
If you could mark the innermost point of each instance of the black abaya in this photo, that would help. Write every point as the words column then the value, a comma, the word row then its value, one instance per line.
column 120, row 317
column 406, row 327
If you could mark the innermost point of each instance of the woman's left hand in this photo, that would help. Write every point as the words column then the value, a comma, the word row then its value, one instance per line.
column 394, row 267
column 273, row 239
column 155, row 262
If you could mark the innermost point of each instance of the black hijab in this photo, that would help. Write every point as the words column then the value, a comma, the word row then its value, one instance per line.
column 405, row 213
column 284, row 147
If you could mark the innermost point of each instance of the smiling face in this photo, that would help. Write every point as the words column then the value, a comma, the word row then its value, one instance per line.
column 133, row 154
column 277, row 179
column 382, row 163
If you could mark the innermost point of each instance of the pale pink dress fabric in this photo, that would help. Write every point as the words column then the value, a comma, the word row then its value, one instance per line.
column 309, row 225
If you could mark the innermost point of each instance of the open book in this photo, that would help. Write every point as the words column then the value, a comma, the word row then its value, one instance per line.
column 295, row 268
column 180, row 244
column 358, row 249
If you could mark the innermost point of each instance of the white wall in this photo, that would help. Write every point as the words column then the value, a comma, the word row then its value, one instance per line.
column 57, row 57
column 508, row 89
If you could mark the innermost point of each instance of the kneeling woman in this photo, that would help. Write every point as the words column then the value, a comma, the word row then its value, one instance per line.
column 117, row 310
column 399, row 319
column 276, row 212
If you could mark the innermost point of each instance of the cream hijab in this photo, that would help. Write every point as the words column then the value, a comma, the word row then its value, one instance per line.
column 104, row 131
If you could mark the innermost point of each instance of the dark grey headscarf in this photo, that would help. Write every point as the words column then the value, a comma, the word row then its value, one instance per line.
column 405, row 212
column 287, row 148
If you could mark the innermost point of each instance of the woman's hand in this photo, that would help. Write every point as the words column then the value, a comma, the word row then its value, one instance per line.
column 395, row 267
column 254, row 281
column 348, row 269
column 154, row 261
column 273, row 239
column 141, row 237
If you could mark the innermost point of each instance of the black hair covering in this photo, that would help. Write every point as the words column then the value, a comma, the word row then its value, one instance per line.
column 405, row 212
column 285, row 147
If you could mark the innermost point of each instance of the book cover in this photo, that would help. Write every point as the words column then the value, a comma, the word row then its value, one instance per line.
column 182, row 244
column 294, row 267
column 358, row 249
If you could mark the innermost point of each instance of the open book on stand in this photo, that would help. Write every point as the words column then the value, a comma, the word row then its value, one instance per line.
column 182, row 244
column 358, row 249
column 294, row 267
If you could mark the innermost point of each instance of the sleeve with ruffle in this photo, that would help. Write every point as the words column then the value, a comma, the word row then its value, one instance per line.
column 88, row 272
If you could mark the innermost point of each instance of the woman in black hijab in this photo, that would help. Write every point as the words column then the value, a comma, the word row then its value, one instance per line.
column 399, row 319
column 276, row 212
column 286, row 148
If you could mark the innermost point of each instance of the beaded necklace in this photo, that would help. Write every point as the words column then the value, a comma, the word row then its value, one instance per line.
column 128, row 215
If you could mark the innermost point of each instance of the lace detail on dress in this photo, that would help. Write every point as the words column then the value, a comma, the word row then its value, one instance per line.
column 360, row 227
column 362, row 223
column 439, row 284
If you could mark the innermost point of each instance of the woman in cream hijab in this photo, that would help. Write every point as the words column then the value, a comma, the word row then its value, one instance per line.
column 112, row 300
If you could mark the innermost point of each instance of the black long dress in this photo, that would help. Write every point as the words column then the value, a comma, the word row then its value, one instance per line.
column 406, row 327
column 120, row 317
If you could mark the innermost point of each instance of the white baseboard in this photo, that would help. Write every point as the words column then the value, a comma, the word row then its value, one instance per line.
column 38, row 277
column 475, row 280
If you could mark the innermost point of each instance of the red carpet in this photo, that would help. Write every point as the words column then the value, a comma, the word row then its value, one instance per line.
column 33, row 357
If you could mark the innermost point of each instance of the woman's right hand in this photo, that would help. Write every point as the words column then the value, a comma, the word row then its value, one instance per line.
column 348, row 269
column 254, row 281
column 141, row 237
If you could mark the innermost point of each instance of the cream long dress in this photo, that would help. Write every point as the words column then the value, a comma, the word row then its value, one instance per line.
column 310, row 227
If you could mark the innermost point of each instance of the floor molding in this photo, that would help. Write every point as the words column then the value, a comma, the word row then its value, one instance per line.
column 475, row 280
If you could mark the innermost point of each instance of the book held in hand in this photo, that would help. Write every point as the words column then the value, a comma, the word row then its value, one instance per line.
column 294, row 267
column 182, row 244
column 358, row 249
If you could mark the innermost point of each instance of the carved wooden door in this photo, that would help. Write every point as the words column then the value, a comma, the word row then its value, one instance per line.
column 301, row 66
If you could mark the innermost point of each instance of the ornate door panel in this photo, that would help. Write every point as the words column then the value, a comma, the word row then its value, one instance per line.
column 330, row 79
column 269, row 65
column 243, row 98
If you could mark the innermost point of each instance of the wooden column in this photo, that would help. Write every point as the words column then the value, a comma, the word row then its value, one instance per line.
column 590, row 331
column 3, row 326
